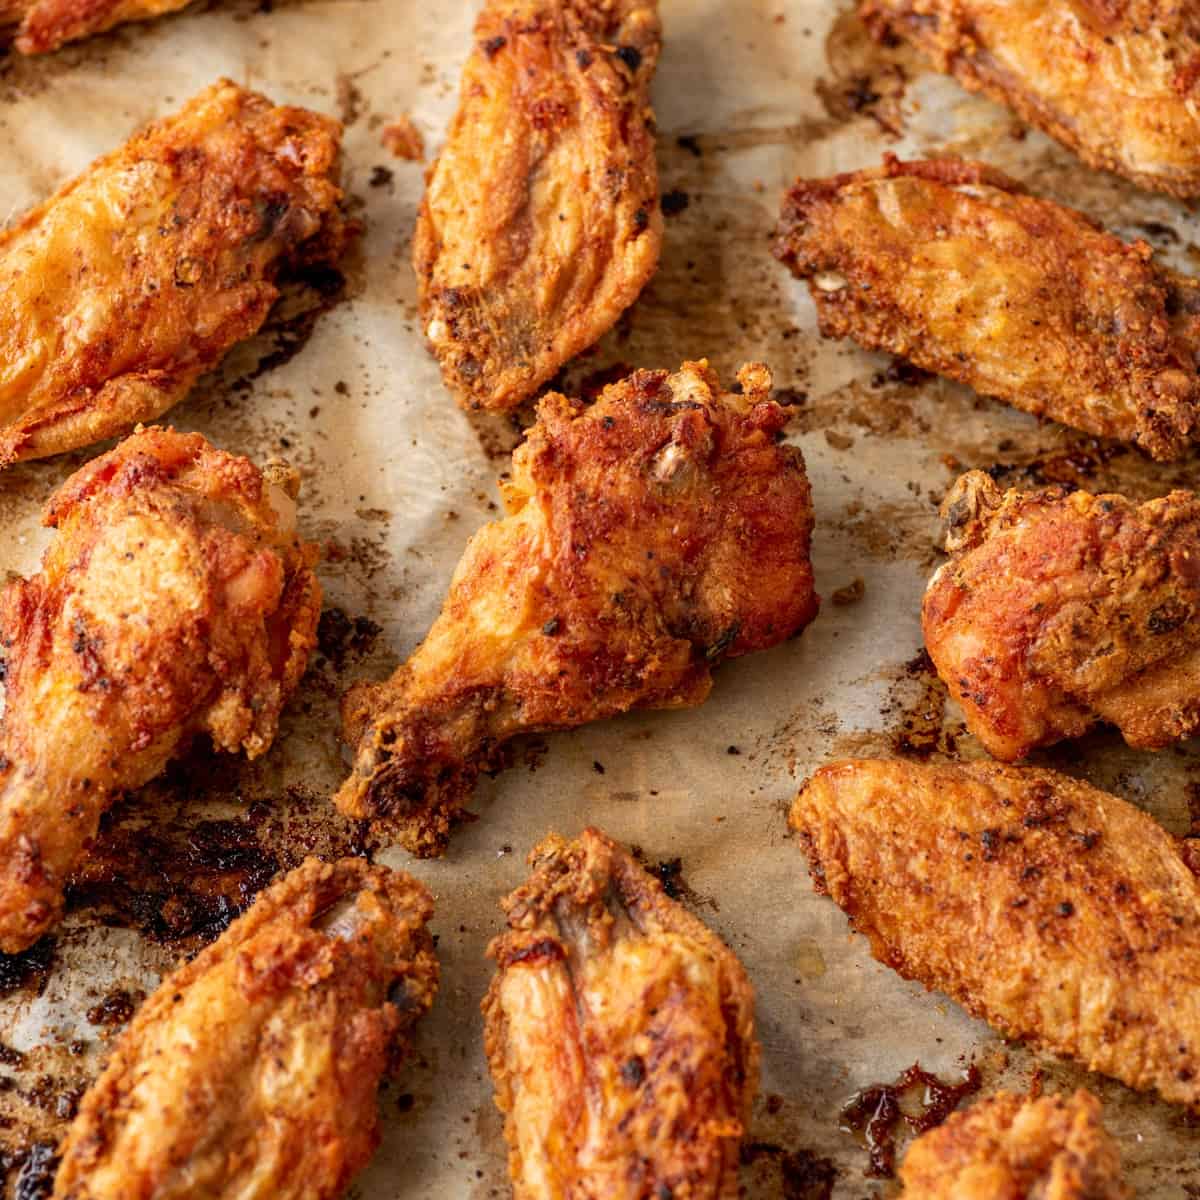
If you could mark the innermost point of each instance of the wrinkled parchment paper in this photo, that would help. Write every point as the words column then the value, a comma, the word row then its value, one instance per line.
column 749, row 94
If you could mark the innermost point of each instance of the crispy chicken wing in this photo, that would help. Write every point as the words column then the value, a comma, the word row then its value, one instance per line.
column 1060, row 609
column 137, row 277
column 251, row 1072
column 39, row 26
column 541, row 223
column 1056, row 912
column 648, row 537
column 1115, row 80
column 620, row 1035
column 950, row 265
column 175, row 600
column 1011, row 1148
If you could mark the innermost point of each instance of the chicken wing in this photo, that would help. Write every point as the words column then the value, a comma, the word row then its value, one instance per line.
column 951, row 266
column 39, row 26
column 1114, row 80
column 175, row 600
column 1060, row 609
column 648, row 537
column 541, row 222
column 137, row 277
column 251, row 1072
column 620, row 1035
column 1056, row 912
column 1011, row 1148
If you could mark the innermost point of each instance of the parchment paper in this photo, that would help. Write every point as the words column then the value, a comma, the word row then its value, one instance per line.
column 749, row 94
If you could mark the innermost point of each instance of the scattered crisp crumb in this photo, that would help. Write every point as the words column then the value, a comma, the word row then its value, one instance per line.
column 852, row 593
column 839, row 441
column 404, row 139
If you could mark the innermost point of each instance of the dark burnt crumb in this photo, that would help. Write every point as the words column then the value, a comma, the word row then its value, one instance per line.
column 116, row 1008
column 773, row 1103
column 803, row 1174
column 674, row 202
column 732, row 750
column 669, row 872
column 852, row 593
column 28, row 970
column 900, row 371
column 598, row 766
column 790, row 397
column 690, row 143
column 342, row 638
column 342, row 388
column 405, row 1102
column 876, row 1113
column 534, row 752
column 35, row 1167
column 381, row 177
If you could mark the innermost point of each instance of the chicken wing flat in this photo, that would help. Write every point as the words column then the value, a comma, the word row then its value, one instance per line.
column 251, row 1073
column 541, row 222
column 950, row 265
column 39, row 26
column 1060, row 609
column 648, row 537
column 175, row 600
column 1011, row 1148
column 137, row 277
column 1114, row 80
column 620, row 1035
column 1057, row 913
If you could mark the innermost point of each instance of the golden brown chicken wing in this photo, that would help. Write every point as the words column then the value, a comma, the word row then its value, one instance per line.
column 541, row 223
column 252, row 1071
column 137, row 277
column 620, row 1035
column 951, row 266
column 1056, row 912
column 648, row 537
column 39, row 26
column 175, row 600
column 1115, row 80
column 1060, row 609
column 1011, row 1148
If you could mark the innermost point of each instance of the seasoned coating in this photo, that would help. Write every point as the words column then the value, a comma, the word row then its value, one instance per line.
column 39, row 26
column 136, row 278
column 1114, row 80
column 1060, row 609
column 648, row 537
column 950, row 265
column 176, row 600
column 1057, row 913
column 620, row 1035
column 540, row 223
column 251, row 1073
column 1011, row 1148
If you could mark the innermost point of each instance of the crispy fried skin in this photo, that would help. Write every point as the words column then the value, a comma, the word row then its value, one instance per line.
column 620, row 1035
column 1011, row 1148
column 648, row 537
column 252, row 1071
column 541, row 223
column 137, row 277
column 1056, row 912
column 1115, row 80
column 175, row 600
column 1060, row 609
column 39, row 26
column 951, row 266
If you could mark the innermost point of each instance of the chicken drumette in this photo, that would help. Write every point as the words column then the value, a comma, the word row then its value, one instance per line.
column 1060, row 609
column 620, row 1034
column 648, row 537
column 1008, row 1147
column 251, row 1073
column 1115, row 80
column 1054, row 911
column 175, row 600
column 130, row 282
column 541, row 222
column 39, row 26
column 949, row 264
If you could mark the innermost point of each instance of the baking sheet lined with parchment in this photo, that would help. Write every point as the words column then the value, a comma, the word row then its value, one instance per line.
column 748, row 95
